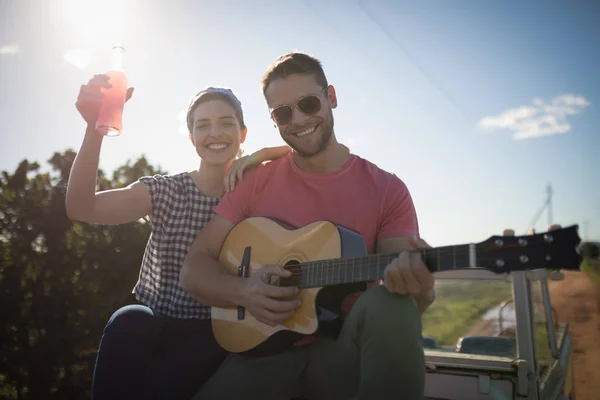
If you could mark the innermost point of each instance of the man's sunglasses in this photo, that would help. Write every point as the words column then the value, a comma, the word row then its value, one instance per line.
column 309, row 105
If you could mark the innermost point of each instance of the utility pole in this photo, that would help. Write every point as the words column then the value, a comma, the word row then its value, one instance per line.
column 546, row 206
column 549, row 193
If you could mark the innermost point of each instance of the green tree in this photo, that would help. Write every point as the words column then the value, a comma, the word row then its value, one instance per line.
column 59, row 280
column 590, row 250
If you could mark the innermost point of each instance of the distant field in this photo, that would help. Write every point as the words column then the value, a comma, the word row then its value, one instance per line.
column 459, row 305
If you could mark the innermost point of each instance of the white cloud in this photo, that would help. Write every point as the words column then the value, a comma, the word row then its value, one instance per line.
column 9, row 49
column 540, row 119
column 77, row 57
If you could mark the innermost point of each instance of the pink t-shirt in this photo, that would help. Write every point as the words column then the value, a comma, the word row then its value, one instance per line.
column 360, row 196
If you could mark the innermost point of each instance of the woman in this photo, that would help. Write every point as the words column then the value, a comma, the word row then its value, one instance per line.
column 164, row 348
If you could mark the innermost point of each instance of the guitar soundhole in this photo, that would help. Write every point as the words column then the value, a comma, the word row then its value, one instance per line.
column 293, row 280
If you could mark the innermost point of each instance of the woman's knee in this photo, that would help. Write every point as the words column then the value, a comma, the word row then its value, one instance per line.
column 130, row 318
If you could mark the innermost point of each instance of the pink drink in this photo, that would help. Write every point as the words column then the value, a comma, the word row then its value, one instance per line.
column 110, row 116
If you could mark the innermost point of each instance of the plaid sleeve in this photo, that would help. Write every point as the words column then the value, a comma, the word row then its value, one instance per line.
column 158, row 187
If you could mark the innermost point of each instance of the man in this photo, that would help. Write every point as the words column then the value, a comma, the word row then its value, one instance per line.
column 378, row 353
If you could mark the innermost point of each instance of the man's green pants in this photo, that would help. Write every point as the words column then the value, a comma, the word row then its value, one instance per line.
column 378, row 355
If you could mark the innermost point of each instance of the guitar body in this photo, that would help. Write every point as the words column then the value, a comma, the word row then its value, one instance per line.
column 272, row 243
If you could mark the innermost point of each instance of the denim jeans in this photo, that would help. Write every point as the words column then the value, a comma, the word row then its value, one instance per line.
column 143, row 355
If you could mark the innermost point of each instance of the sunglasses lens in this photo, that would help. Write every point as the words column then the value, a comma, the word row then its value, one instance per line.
column 282, row 115
column 310, row 105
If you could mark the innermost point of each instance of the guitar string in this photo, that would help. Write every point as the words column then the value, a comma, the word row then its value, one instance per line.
column 322, row 270
column 442, row 253
column 327, row 267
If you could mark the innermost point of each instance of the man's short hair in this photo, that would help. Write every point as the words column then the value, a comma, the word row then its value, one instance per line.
column 290, row 64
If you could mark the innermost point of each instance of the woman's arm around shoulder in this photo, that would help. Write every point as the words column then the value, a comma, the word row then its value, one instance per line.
column 239, row 166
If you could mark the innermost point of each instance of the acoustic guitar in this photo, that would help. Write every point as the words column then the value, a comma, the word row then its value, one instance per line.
column 328, row 262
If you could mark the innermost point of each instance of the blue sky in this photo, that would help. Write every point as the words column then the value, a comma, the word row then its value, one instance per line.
column 476, row 105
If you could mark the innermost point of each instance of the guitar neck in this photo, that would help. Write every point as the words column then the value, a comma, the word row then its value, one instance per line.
column 370, row 268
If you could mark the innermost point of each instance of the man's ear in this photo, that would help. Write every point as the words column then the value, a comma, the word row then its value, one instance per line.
column 244, row 132
column 332, row 96
column 191, row 138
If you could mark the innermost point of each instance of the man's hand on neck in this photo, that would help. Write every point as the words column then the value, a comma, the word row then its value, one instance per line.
column 331, row 159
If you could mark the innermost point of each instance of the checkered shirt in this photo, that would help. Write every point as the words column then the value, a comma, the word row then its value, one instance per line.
column 179, row 211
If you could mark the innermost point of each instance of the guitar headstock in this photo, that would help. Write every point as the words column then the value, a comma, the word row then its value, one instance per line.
column 555, row 249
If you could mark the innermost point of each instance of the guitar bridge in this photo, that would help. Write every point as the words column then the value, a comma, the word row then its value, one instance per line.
column 244, row 272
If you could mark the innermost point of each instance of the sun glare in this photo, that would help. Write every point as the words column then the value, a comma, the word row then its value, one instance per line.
column 96, row 22
column 77, row 57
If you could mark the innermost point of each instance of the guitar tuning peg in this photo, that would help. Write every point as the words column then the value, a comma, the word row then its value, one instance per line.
column 508, row 232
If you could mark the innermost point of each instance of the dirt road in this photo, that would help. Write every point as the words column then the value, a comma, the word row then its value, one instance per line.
column 575, row 299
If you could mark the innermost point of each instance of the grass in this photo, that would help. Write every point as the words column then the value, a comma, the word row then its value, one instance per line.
column 592, row 268
column 459, row 305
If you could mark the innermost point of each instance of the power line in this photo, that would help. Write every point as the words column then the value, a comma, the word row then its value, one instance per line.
column 547, row 206
column 341, row 34
column 417, row 64
column 368, row 58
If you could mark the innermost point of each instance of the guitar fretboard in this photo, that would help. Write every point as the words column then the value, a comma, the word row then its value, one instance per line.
column 370, row 268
